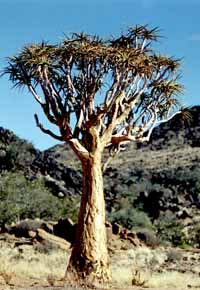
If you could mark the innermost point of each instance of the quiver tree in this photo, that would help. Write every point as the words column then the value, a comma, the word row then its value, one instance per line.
column 99, row 93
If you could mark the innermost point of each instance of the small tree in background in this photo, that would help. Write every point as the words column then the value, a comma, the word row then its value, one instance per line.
column 99, row 93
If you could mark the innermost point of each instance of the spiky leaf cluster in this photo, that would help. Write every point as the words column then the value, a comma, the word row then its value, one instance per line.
column 119, row 86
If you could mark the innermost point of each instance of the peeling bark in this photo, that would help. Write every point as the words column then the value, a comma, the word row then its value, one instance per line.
column 89, row 258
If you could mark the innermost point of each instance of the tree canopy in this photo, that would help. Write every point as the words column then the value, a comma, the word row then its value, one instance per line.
column 120, row 86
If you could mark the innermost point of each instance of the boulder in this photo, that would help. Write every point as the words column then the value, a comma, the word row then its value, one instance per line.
column 116, row 228
column 184, row 213
column 148, row 238
column 65, row 229
column 22, row 228
column 43, row 236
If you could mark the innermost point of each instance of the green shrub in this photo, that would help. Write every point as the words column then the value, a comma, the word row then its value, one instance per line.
column 194, row 236
column 131, row 218
column 21, row 198
column 170, row 230
column 70, row 208
column 17, row 155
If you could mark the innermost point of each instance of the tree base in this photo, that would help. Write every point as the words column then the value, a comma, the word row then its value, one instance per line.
column 87, row 272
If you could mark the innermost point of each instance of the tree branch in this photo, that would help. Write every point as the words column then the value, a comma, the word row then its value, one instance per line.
column 57, row 97
column 116, row 139
column 157, row 123
column 46, row 131
column 35, row 95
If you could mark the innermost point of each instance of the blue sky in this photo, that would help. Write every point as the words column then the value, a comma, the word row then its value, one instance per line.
column 28, row 21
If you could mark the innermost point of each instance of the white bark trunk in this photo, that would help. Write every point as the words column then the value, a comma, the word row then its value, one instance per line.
column 89, row 258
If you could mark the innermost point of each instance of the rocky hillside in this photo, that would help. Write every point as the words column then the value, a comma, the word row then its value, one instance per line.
column 18, row 155
column 156, row 185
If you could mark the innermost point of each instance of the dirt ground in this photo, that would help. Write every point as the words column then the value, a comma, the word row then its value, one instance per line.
column 25, row 285
column 33, row 284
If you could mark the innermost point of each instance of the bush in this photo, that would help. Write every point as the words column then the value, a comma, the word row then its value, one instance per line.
column 194, row 236
column 16, row 155
column 21, row 198
column 131, row 219
column 170, row 230
column 173, row 255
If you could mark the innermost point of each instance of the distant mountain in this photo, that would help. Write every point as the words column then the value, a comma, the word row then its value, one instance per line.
column 15, row 153
column 19, row 155
column 178, row 133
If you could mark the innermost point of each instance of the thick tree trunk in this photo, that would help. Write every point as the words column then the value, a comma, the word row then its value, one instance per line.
column 89, row 258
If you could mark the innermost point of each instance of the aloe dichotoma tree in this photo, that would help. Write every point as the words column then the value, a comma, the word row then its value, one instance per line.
column 100, row 94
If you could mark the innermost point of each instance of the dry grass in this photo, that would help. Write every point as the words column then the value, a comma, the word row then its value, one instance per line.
column 138, row 267
column 124, row 278
column 165, row 280
column 174, row 280
column 27, row 263
column 142, row 267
